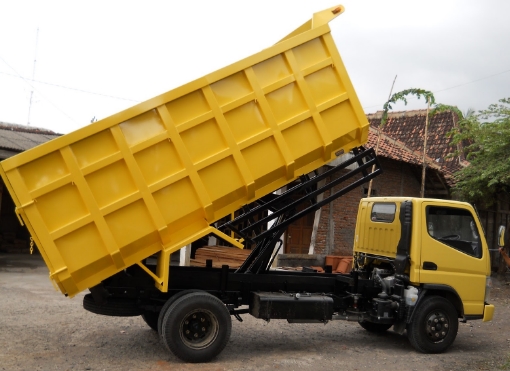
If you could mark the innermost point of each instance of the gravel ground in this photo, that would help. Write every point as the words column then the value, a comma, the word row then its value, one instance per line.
column 42, row 330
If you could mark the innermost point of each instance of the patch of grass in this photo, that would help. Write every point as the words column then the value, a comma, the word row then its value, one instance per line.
column 506, row 365
column 495, row 363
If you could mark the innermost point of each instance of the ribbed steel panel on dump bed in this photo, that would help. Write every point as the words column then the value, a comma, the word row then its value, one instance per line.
column 152, row 178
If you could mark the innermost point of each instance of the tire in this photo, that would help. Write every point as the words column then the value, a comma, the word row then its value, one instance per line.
column 114, row 307
column 196, row 327
column 151, row 319
column 434, row 325
column 167, row 305
column 377, row 328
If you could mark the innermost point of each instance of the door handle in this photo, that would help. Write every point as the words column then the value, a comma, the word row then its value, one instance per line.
column 429, row 266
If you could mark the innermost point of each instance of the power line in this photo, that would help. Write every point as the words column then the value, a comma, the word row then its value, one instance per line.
column 470, row 82
column 453, row 87
column 69, row 88
column 37, row 90
column 33, row 75
column 17, row 75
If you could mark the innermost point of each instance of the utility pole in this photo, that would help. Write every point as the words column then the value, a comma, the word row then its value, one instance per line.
column 33, row 77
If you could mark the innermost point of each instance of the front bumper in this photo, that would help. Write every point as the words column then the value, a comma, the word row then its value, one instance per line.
column 488, row 312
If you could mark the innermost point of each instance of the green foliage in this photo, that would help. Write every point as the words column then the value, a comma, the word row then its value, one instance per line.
column 402, row 96
column 439, row 108
column 486, row 144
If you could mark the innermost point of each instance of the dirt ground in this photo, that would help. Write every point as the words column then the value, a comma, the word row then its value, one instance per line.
column 40, row 329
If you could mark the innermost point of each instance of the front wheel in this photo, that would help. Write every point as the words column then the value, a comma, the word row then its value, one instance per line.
column 196, row 327
column 434, row 326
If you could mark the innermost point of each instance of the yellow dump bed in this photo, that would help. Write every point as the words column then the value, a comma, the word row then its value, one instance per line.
column 151, row 179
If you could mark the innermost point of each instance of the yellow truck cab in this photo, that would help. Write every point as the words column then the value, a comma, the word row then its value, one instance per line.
column 437, row 247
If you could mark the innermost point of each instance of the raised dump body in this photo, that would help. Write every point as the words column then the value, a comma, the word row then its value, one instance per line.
column 153, row 178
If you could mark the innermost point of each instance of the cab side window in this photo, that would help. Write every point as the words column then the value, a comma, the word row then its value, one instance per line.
column 383, row 212
column 455, row 228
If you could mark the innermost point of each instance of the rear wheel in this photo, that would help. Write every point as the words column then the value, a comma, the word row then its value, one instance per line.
column 169, row 302
column 434, row 326
column 196, row 327
column 375, row 327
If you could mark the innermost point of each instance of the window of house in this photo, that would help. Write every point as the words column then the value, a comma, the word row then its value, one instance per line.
column 455, row 228
column 383, row 212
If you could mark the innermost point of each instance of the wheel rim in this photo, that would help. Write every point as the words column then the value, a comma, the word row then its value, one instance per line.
column 437, row 326
column 199, row 329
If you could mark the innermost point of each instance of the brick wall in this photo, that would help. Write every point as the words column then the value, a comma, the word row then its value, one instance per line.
column 335, row 232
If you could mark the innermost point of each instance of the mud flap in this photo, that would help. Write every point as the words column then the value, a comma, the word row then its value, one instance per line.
column 399, row 327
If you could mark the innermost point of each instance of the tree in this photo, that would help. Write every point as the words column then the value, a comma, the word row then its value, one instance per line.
column 469, row 112
column 486, row 145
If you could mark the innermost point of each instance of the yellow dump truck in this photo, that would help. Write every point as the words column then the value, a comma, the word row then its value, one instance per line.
column 109, row 203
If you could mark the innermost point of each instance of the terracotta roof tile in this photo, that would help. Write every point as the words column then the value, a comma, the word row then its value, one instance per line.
column 408, row 127
column 397, row 150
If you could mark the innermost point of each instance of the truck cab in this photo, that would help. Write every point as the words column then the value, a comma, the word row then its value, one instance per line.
column 436, row 247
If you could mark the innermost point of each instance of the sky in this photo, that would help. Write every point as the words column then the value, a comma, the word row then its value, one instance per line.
column 95, row 58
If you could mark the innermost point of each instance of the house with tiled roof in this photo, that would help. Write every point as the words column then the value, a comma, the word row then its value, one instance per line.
column 407, row 129
column 15, row 139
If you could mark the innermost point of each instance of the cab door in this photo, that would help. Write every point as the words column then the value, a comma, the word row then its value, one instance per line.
column 453, row 254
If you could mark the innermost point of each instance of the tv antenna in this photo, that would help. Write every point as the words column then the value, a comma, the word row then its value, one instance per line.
column 33, row 77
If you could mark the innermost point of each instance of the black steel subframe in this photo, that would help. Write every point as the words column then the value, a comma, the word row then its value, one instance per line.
column 365, row 158
column 283, row 207
column 232, row 288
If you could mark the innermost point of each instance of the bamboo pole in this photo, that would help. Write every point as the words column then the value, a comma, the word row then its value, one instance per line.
column 424, row 165
column 378, row 140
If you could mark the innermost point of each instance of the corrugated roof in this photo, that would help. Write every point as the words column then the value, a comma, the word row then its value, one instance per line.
column 19, row 138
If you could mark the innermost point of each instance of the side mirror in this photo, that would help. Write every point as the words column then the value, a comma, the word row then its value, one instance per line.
column 501, row 236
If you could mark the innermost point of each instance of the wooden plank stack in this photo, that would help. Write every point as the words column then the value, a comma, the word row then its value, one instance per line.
column 220, row 255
